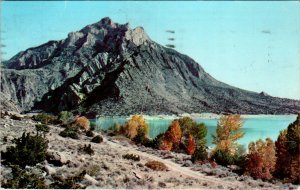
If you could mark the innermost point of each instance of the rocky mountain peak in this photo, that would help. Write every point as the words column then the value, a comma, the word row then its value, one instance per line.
column 112, row 69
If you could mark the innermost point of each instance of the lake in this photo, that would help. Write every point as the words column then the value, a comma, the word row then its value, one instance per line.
column 255, row 127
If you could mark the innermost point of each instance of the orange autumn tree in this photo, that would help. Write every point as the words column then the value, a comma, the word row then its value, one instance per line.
column 227, row 133
column 172, row 137
column 260, row 161
column 191, row 145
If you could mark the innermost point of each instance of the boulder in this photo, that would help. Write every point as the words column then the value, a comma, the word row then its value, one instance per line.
column 56, row 158
column 50, row 170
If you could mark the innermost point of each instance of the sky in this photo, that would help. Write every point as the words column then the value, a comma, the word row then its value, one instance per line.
column 252, row 45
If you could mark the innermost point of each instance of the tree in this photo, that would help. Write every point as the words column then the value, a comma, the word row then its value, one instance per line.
column 174, row 134
column 228, row 131
column 191, row 145
column 283, row 160
column 261, row 159
column 288, row 153
column 135, row 125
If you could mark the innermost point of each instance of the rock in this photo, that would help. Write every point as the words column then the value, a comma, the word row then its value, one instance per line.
column 188, row 163
column 72, row 164
column 162, row 184
column 50, row 170
column 208, row 171
column 137, row 175
column 220, row 173
column 56, row 158
column 15, row 115
column 90, row 179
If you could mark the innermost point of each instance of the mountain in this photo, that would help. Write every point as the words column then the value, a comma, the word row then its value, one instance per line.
column 112, row 69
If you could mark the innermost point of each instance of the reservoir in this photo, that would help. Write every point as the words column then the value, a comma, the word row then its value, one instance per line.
column 254, row 126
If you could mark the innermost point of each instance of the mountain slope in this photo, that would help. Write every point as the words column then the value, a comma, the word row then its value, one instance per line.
column 111, row 69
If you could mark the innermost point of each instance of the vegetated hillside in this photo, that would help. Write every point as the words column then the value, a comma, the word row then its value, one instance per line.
column 115, row 70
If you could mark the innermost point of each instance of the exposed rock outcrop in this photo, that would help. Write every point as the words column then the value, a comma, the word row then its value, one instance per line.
column 115, row 70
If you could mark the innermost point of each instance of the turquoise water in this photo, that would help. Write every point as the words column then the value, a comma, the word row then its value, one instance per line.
column 254, row 127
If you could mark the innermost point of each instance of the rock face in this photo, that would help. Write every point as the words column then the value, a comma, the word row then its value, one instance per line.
column 112, row 69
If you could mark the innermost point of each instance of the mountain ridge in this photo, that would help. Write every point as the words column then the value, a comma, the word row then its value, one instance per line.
column 112, row 69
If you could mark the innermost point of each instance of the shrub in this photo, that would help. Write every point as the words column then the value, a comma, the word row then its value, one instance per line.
column 141, row 138
column 228, row 131
column 135, row 124
column 156, row 165
column 97, row 139
column 46, row 119
column 65, row 116
column 92, row 170
column 23, row 179
column 154, row 143
column 29, row 150
column 223, row 158
column 191, row 145
column 132, row 157
column 87, row 150
column 89, row 133
column 70, row 131
column 165, row 145
column 83, row 123
column 260, row 161
column 200, row 154
column 68, row 183
column 42, row 128
column 198, row 131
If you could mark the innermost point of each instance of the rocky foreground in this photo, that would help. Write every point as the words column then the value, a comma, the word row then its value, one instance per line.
column 108, row 169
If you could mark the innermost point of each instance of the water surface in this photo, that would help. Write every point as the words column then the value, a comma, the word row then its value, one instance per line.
column 255, row 127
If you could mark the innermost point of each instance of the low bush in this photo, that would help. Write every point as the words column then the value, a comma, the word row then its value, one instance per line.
column 46, row 119
column 87, row 150
column 92, row 170
column 23, row 179
column 200, row 154
column 89, row 133
column 132, row 157
column 156, row 165
column 97, row 139
column 71, row 182
column 225, row 158
column 154, row 143
column 65, row 117
column 83, row 123
column 70, row 131
column 42, row 128
column 29, row 150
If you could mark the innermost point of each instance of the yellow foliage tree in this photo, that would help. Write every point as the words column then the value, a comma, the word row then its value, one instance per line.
column 228, row 131
column 136, row 124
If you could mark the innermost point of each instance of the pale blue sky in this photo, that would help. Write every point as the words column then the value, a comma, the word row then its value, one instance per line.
column 250, row 45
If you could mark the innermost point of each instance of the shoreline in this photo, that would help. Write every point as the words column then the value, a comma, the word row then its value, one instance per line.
column 197, row 116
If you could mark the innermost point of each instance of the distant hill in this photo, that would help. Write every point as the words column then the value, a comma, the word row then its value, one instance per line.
column 112, row 69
